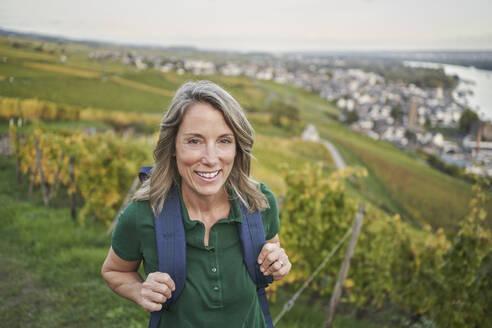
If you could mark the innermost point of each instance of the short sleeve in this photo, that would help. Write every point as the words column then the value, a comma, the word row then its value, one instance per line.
column 125, row 240
column 270, row 215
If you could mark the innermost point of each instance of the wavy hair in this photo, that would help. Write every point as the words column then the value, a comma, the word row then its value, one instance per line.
column 165, row 172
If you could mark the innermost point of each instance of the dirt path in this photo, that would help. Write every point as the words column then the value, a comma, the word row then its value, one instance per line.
column 337, row 158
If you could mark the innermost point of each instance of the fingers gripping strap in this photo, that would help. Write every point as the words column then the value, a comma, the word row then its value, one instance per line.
column 171, row 248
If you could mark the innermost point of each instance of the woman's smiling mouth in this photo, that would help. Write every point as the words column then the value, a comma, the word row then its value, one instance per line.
column 208, row 175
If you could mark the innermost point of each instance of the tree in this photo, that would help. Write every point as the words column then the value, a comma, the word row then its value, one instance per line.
column 411, row 136
column 281, row 112
column 352, row 117
column 468, row 117
column 397, row 113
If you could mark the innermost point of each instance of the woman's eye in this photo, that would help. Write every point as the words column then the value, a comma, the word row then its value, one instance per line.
column 193, row 141
column 226, row 140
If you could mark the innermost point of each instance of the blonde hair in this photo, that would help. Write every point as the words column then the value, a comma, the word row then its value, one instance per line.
column 165, row 172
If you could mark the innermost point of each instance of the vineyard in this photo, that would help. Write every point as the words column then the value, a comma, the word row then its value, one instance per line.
column 420, row 271
column 82, row 165
column 79, row 131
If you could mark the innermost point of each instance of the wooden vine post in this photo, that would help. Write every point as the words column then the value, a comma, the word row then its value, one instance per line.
column 17, row 156
column 31, row 176
column 57, row 175
column 47, row 193
column 72, row 183
column 40, row 170
column 342, row 274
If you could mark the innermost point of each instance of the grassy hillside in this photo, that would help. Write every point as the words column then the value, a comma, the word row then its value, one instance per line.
column 273, row 152
column 413, row 188
column 30, row 74
column 30, row 82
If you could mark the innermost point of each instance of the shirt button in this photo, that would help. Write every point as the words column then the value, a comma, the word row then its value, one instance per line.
column 214, row 269
column 216, row 288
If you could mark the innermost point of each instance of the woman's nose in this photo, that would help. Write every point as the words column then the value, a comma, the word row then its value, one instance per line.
column 210, row 156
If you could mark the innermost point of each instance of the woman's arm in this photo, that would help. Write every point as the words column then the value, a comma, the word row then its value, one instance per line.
column 122, row 277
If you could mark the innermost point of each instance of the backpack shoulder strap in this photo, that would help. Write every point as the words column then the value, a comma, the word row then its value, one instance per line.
column 252, row 237
column 171, row 248
column 144, row 173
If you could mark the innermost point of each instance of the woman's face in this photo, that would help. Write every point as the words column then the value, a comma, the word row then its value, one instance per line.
column 205, row 151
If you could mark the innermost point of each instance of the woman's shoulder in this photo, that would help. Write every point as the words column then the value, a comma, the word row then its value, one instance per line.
column 272, row 201
column 126, row 240
column 137, row 207
column 134, row 211
column 270, row 215
column 265, row 190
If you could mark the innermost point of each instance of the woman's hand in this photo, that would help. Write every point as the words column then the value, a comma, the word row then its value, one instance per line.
column 156, row 290
column 122, row 277
column 273, row 260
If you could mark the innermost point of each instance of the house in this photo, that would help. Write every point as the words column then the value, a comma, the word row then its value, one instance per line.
column 438, row 140
column 310, row 133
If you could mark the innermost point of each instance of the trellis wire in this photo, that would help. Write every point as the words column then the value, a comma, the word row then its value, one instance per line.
column 290, row 303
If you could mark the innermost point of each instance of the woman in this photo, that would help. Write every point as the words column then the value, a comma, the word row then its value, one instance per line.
column 204, row 150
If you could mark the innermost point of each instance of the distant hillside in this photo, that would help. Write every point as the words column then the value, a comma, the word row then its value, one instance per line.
column 88, row 42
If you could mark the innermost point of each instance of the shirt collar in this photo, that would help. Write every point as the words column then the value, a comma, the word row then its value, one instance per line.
column 235, row 214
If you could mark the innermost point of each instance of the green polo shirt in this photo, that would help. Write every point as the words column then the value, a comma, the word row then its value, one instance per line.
column 218, row 291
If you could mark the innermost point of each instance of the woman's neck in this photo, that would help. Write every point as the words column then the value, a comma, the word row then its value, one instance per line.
column 204, row 207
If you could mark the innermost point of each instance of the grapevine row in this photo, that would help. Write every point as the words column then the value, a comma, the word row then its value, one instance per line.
column 99, row 168
column 34, row 109
column 421, row 271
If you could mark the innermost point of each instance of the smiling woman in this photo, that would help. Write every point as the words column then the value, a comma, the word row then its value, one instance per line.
column 203, row 156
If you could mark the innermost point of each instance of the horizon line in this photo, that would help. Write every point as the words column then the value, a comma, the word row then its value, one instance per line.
column 58, row 37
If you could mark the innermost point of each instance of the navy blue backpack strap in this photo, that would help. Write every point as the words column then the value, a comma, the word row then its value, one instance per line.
column 144, row 173
column 252, row 237
column 171, row 248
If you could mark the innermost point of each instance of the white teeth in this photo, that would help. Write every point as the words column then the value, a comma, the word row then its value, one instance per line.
column 209, row 175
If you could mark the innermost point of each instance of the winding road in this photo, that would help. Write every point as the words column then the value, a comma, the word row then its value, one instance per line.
column 337, row 158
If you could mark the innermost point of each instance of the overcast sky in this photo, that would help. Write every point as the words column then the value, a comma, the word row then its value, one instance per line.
column 272, row 25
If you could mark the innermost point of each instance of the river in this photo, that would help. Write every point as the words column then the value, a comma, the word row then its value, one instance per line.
column 473, row 90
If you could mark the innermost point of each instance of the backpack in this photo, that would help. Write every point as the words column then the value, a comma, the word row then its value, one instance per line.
column 171, row 249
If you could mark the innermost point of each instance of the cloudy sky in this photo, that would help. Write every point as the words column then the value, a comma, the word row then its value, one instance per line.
column 271, row 25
